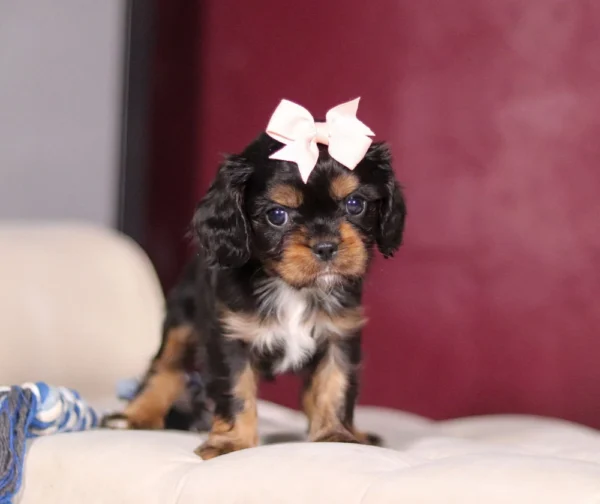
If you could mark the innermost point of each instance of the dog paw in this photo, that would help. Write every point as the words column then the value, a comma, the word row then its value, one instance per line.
column 368, row 438
column 116, row 421
column 120, row 421
column 373, row 440
column 336, row 436
column 213, row 448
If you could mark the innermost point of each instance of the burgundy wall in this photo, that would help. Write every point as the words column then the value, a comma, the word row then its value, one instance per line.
column 492, row 110
column 173, row 153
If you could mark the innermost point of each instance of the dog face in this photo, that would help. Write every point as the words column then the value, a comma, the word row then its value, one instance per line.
column 317, row 234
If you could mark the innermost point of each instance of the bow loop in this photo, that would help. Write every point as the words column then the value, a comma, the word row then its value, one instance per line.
column 294, row 126
column 290, row 122
column 344, row 117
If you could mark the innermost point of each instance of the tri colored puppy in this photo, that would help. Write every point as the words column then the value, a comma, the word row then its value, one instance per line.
column 276, row 287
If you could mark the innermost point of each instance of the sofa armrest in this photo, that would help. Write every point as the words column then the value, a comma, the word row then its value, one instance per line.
column 81, row 306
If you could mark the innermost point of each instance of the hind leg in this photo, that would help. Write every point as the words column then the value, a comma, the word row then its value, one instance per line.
column 164, row 383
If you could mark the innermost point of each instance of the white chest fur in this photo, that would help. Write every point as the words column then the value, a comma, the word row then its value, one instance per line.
column 292, row 327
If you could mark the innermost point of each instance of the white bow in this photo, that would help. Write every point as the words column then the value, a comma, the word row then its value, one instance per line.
column 293, row 125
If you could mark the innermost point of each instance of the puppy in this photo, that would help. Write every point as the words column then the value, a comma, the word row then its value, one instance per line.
column 276, row 287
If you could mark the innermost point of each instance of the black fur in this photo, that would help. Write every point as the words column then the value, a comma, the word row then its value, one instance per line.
column 220, row 223
column 237, row 245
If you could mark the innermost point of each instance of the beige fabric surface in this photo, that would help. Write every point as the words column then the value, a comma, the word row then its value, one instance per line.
column 82, row 307
column 487, row 460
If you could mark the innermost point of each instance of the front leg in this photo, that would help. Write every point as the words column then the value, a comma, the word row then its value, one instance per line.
column 330, row 393
column 232, row 386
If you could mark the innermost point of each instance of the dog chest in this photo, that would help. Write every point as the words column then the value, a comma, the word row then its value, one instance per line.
column 292, row 333
column 287, row 328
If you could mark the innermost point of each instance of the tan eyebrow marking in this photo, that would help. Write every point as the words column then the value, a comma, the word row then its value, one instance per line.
column 343, row 185
column 286, row 195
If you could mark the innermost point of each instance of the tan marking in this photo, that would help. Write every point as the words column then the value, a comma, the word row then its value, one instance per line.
column 175, row 348
column 365, row 438
column 226, row 437
column 242, row 326
column 286, row 195
column 352, row 257
column 338, row 434
column 343, row 324
column 164, row 384
column 148, row 410
column 343, row 186
column 324, row 399
column 298, row 266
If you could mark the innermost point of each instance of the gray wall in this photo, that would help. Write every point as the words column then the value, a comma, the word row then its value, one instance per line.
column 60, row 97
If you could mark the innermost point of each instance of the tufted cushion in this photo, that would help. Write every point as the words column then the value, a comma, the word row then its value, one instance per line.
column 477, row 460
column 82, row 307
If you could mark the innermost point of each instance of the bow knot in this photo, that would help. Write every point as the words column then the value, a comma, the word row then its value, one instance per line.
column 347, row 138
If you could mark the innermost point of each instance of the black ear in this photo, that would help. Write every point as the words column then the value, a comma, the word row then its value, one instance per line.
column 392, row 207
column 220, row 222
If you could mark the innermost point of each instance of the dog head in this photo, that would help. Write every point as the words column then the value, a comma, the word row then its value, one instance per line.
column 318, row 233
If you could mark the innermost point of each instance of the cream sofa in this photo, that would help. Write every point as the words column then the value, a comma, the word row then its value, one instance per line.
column 82, row 307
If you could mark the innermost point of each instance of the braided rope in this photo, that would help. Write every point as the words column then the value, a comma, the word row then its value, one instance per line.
column 32, row 410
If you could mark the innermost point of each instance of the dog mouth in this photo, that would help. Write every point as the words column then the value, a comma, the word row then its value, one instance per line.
column 328, row 278
column 299, row 265
column 325, row 279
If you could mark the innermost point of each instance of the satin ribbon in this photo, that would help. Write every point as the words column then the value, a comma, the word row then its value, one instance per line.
column 293, row 125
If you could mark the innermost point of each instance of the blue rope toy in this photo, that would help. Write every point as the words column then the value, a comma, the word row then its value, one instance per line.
column 29, row 411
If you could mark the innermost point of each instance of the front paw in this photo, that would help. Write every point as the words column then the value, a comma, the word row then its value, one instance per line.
column 209, row 449
column 120, row 421
column 213, row 448
column 336, row 436
column 368, row 438
column 116, row 421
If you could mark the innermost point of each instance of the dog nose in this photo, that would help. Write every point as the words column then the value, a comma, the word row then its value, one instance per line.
column 325, row 251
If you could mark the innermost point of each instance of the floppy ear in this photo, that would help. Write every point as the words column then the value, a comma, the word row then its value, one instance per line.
column 392, row 207
column 220, row 222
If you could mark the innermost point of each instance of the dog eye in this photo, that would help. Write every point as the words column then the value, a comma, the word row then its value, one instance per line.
column 355, row 205
column 277, row 217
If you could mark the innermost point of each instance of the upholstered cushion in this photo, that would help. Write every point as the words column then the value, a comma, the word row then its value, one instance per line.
column 470, row 461
column 81, row 306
